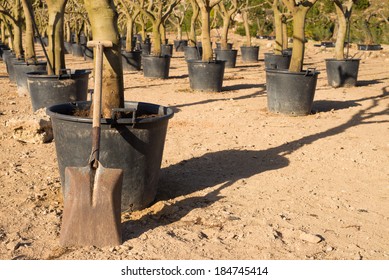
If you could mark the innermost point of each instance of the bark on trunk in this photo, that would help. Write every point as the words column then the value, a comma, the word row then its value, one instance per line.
column 341, row 32
column 246, row 28
column 56, row 54
column 29, row 38
column 205, row 34
column 192, row 33
column 129, row 34
column 103, row 19
column 297, row 59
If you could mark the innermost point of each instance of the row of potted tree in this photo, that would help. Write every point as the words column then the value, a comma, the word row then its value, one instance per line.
column 141, row 140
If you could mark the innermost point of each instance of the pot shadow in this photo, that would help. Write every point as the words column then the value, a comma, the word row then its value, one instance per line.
column 253, row 65
column 242, row 86
column 328, row 105
column 184, row 76
column 368, row 82
column 227, row 167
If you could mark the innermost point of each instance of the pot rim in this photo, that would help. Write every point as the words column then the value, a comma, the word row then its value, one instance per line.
column 75, row 73
column 307, row 72
column 27, row 63
column 166, row 113
column 344, row 60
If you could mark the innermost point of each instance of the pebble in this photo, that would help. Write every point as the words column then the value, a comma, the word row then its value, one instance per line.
column 311, row 238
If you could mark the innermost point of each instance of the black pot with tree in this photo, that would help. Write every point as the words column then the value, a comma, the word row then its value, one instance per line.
column 342, row 70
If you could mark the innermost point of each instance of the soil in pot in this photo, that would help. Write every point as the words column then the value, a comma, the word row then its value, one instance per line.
column 21, row 69
column 47, row 90
column 156, row 66
column 290, row 93
column 250, row 54
column 229, row 56
column 133, row 145
column 132, row 61
column 342, row 73
column 206, row 75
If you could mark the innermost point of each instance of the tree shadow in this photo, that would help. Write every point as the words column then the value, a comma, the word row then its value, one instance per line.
column 369, row 82
column 329, row 105
column 248, row 96
column 225, row 168
column 184, row 76
column 253, row 65
column 242, row 86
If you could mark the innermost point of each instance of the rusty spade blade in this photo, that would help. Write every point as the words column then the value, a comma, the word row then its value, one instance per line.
column 92, row 213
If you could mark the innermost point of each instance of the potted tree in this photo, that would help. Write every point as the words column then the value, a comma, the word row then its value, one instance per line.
column 193, row 51
column 131, row 58
column 342, row 70
column 178, row 19
column 207, row 73
column 30, row 63
column 56, row 84
column 280, row 58
column 132, row 133
column 292, row 91
column 12, row 12
column 249, row 52
column 156, row 65
column 225, row 52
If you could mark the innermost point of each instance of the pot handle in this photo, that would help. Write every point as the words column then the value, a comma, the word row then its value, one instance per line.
column 65, row 73
column 117, row 113
column 310, row 72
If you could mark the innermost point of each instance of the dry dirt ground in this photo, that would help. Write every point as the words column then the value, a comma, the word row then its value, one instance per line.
column 237, row 182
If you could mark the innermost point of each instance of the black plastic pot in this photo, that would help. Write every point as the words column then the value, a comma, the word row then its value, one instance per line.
column 167, row 50
column 88, row 53
column 229, row 56
column 11, row 60
column 136, row 148
column 21, row 69
column 290, row 93
column 193, row 53
column 146, row 48
column 68, row 48
column 131, row 61
column 156, row 66
column 47, row 90
column 179, row 45
column 7, row 55
column 342, row 73
column 276, row 61
column 206, row 75
column 2, row 48
column 77, row 50
column 365, row 47
column 249, row 54
column 229, row 46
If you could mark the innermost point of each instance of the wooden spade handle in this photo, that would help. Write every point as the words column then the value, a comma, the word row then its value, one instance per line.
column 99, row 46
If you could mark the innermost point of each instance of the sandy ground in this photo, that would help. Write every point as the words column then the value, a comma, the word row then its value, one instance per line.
column 237, row 182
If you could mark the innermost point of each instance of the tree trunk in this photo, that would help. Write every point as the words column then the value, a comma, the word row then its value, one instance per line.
column 206, row 34
column 246, row 28
column 341, row 32
column 17, row 30
column 29, row 38
column 192, row 33
column 103, row 19
column 284, row 29
column 129, row 34
column 2, row 27
column 56, row 10
column 297, row 60
column 68, row 33
column 224, row 32
column 278, row 29
column 156, row 38
column 162, row 31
